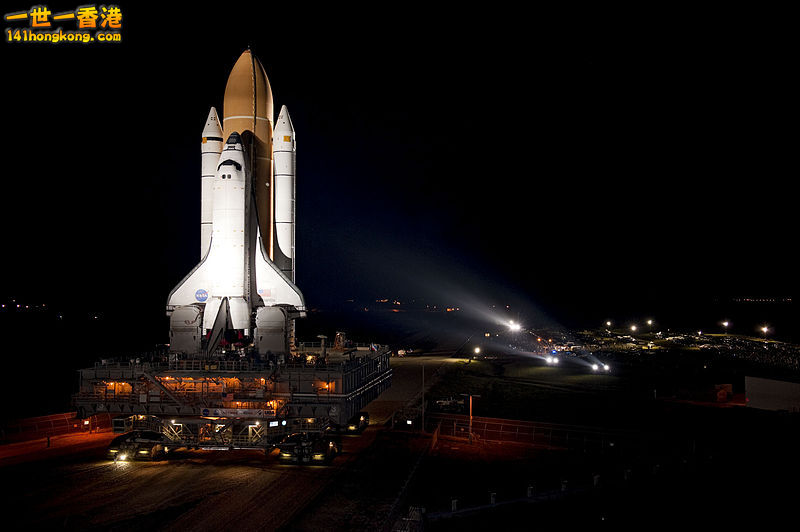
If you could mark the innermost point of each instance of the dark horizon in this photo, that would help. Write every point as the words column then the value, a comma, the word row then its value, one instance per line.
column 370, row 319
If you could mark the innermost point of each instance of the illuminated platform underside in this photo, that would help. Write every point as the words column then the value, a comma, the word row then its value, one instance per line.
column 236, row 403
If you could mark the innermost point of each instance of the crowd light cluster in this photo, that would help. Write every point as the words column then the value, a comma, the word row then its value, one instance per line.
column 726, row 324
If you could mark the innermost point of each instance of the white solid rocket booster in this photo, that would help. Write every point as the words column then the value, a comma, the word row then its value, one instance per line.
column 210, row 148
column 285, row 157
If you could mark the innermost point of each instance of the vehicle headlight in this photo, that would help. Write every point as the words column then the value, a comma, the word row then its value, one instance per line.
column 144, row 452
column 122, row 456
column 113, row 450
column 284, row 454
column 318, row 456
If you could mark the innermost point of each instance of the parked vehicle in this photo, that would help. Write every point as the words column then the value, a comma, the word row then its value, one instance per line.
column 138, row 445
column 307, row 448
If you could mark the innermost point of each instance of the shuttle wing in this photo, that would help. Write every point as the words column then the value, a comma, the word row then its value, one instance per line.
column 194, row 288
column 272, row 286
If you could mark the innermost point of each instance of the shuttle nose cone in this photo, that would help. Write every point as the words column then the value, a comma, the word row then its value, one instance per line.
column 234, row 138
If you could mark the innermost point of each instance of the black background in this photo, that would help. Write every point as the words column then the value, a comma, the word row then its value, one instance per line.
column 585, row 164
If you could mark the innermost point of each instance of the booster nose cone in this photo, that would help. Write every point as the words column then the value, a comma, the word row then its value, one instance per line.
column 283, row 125
column 212, row 129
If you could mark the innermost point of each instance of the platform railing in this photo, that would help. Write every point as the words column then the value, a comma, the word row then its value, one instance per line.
column 55, row 424
column 155, row 366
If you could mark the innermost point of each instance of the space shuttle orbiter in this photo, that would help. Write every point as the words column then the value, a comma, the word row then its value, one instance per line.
column 245, row 278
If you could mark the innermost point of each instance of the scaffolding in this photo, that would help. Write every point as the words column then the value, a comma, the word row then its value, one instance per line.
column 236, row 403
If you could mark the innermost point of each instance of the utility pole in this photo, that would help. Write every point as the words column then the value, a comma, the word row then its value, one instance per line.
column 470, row 412
column 423, row 397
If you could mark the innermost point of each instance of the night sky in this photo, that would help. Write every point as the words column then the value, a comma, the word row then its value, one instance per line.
column 580, row 163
